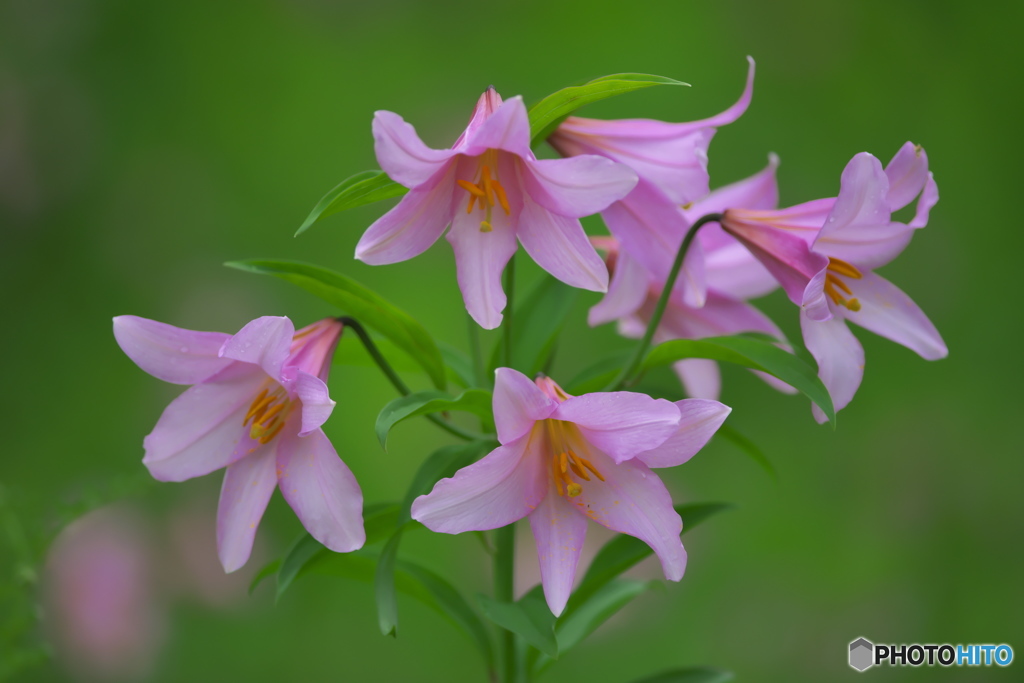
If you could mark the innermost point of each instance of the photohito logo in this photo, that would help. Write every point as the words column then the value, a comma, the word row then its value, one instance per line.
column 864, row 654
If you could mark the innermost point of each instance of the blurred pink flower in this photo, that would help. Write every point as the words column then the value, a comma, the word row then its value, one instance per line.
column 492, row 190
column 858, row 236
column 102, row 607
column 258, row 402
column 565, row 459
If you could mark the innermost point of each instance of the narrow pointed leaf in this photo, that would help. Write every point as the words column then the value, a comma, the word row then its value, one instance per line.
column 696, row 674
column 362, row 188
column 384, row 585
column 749, row 447
column 364, row 305
column 750, row 353
column 475, row 401
column 442, row 463
column 623, row 552
column 538, row 320
column 529, row 618
column 269, row 569
column 549, row 112
column 460, row 367
column 612, row 597
column 597, row 375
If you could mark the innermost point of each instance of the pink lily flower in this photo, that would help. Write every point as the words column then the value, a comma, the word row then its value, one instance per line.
column 733, row 275
column 671, row 160
column 566, row 459
column 492, row 190
column 258, row 402
column 859, row 236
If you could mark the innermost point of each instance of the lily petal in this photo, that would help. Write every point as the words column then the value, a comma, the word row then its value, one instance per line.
column 248, row 485
column 559, row 533
column 201, row 430
column 699, row 419
column 929, row 198
column 840, row 359
column 620, row 423
column 400, row 152
column 321, row 489
column 887, row 311
column 170, row 353
column 518, row 402
column 413, row 224
column 508, row 129
column 759, row 191
column 626, row 293
column 907, row 174
column 559, row 246
column 265, row 342
column 700, row 377
column 504, row 486
column 633, row 500
column 577, row 186
column 316, row 402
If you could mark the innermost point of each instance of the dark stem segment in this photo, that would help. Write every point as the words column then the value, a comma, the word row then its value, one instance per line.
column 504, row 563
column 396, row 381
column 645, row 343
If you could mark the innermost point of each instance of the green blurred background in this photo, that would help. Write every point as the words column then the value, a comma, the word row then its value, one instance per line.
column 143, row 144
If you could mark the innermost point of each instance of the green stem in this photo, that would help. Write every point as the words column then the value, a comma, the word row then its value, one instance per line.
column 645, row 343
column 475, row 353
column 504, row 564
column 396, row 381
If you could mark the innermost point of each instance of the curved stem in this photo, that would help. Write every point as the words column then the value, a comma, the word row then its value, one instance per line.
column 659, row 310
column 396, row 381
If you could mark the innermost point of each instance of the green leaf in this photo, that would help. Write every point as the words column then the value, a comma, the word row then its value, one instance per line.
column 597, row 375
column 459, row 365
column 362, row 304
column 750, row 353
column 529, row 618
column 623, row 552
column 549, row 112
column 538, row 320
column 748, row 447
column 362, row 188
column 384, row 585
column 612, row 597
column 268, row 569
column 378, row 521
column 696, row 674
column 475, row 401
column 444, row 462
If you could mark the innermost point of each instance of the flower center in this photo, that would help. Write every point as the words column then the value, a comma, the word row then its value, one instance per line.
column 837, row 270
column 565, row 463
column 486, row 189
column 268, row 412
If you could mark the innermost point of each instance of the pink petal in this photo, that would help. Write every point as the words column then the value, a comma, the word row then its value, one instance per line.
column 814, row 303
column 248, row 485
column 929, row 198
column 201, row 430
column 321, row 489
column 633, row 500
column 626, row 293
column 559, row 533
column 859, row 230
column 170, row 353
column 265, row 342
column 400, row 152
column 759, row 191
column 700, row 377
column 620, row 423
column 508, row 129
column 577, row 186
column 518, row 403
column 480, row 259
column 502, row 487
column 840, row 359
column 699, row 419
column 486, row 104
column 316, row 402
column 559, row 246
column 907, row 174
column 721, row 315
column 887, row 311
column 413, row 225
column 732, row 270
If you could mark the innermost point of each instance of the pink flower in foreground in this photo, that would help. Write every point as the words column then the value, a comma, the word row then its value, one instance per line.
column 859, row 236
column 492, row 190
column 256, row 407
column 671, row 160
column 565, row 459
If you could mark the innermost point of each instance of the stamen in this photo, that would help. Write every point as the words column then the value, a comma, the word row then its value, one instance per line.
column 256, row 405
column 269, row 415
column 502, row 199
column 829, row 277
column 472, row 201
column 577, row 468
column 563, row 463
column 488, row 187
column 844, row 268
column 266, row 438
column 590, row 466
column 470, row 188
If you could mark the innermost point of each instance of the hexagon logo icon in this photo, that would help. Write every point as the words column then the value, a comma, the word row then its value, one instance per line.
column 862, row 654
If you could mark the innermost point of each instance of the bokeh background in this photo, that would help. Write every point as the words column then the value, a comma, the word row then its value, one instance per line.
column 143, row 144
